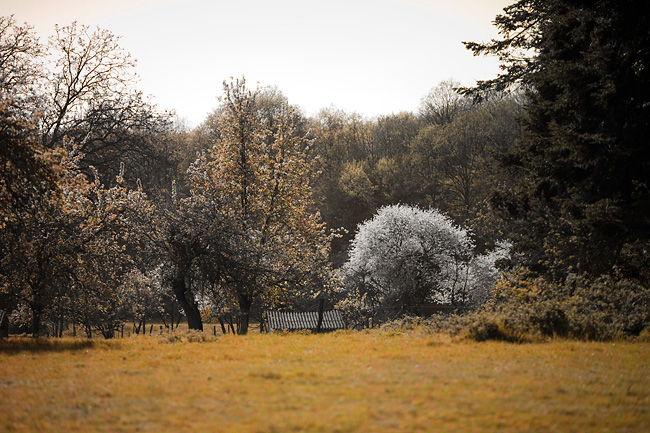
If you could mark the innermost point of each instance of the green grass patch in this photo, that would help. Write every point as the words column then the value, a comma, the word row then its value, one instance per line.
column 339, row 382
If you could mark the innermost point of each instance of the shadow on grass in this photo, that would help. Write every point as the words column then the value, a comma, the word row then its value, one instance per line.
column 35, row 345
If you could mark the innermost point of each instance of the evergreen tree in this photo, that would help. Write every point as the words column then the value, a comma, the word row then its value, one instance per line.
column 581, row 201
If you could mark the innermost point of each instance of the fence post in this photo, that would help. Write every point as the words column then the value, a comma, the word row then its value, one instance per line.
column 321, row 306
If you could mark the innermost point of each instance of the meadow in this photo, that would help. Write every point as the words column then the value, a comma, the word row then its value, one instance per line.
column 340, row 382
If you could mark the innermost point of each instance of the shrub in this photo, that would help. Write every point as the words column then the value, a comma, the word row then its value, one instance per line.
column 523, row 309
column 602, row 308
column 487, row 326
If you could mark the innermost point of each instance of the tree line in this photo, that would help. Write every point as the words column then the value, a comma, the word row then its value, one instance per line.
column 112, row 210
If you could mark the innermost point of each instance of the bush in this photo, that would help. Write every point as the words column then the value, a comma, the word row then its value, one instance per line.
column 486, row 326
column 523, row 310
column 602, row 308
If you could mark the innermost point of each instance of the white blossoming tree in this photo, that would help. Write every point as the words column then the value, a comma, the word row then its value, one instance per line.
column 406, row 257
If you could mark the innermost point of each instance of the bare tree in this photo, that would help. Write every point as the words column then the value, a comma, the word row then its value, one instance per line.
column 443, row 103
column 91, row 99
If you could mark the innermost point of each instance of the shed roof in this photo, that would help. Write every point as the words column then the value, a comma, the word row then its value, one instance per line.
column 304, row 320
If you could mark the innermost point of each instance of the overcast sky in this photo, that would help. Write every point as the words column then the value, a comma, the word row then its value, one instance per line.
column 372, row 57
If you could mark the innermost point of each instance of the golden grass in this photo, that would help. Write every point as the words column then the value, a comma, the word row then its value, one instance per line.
column 341, row 382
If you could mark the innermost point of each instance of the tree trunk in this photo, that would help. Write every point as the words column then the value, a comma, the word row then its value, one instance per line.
column 108, row 332
column 321, row 306
column 187, row 301
column 162, row 317
column 231, row 325
column 245, row 307
column 36, row 321
column 223, row 326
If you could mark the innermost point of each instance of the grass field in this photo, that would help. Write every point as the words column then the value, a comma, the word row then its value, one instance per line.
column 341, row 382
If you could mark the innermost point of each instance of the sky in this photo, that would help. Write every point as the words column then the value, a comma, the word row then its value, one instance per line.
column 371, row 57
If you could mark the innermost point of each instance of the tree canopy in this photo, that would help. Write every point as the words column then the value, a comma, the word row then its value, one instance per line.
column 582, row 199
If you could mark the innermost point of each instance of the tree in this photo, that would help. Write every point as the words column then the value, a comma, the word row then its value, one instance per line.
column 141, row 296
column 257, row 175
column 341, row 143
column 28, row 193
column 583, row 197
column 64, row 237
column 107, row 234
column 67, row 239
column 405, row 257
column 192, row 235
column 461, row 155
column 392, row 134
column 443, row 103
column 25, row 174
column 91, row 69
column 20, row 65
column 90, row 98
column 521, row 27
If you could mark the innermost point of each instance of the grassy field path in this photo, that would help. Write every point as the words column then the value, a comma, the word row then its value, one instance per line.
column 341, row 382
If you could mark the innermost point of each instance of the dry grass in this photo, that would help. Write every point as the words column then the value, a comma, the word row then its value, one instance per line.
column 341, row 382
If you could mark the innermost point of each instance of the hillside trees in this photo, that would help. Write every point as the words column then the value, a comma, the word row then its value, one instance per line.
column 78, row 234
column 240, row 227
column 339, row 138
column 373, row 177
column 458, row 159
column 577, row 202
column 403, row 158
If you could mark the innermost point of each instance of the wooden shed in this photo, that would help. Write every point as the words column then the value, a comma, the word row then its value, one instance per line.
column 294, row 321
column 4, row 324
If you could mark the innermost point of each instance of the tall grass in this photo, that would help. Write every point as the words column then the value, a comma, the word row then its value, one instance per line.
column 339, row 382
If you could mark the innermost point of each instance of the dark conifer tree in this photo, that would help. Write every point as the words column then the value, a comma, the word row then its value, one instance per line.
column 581, row 198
